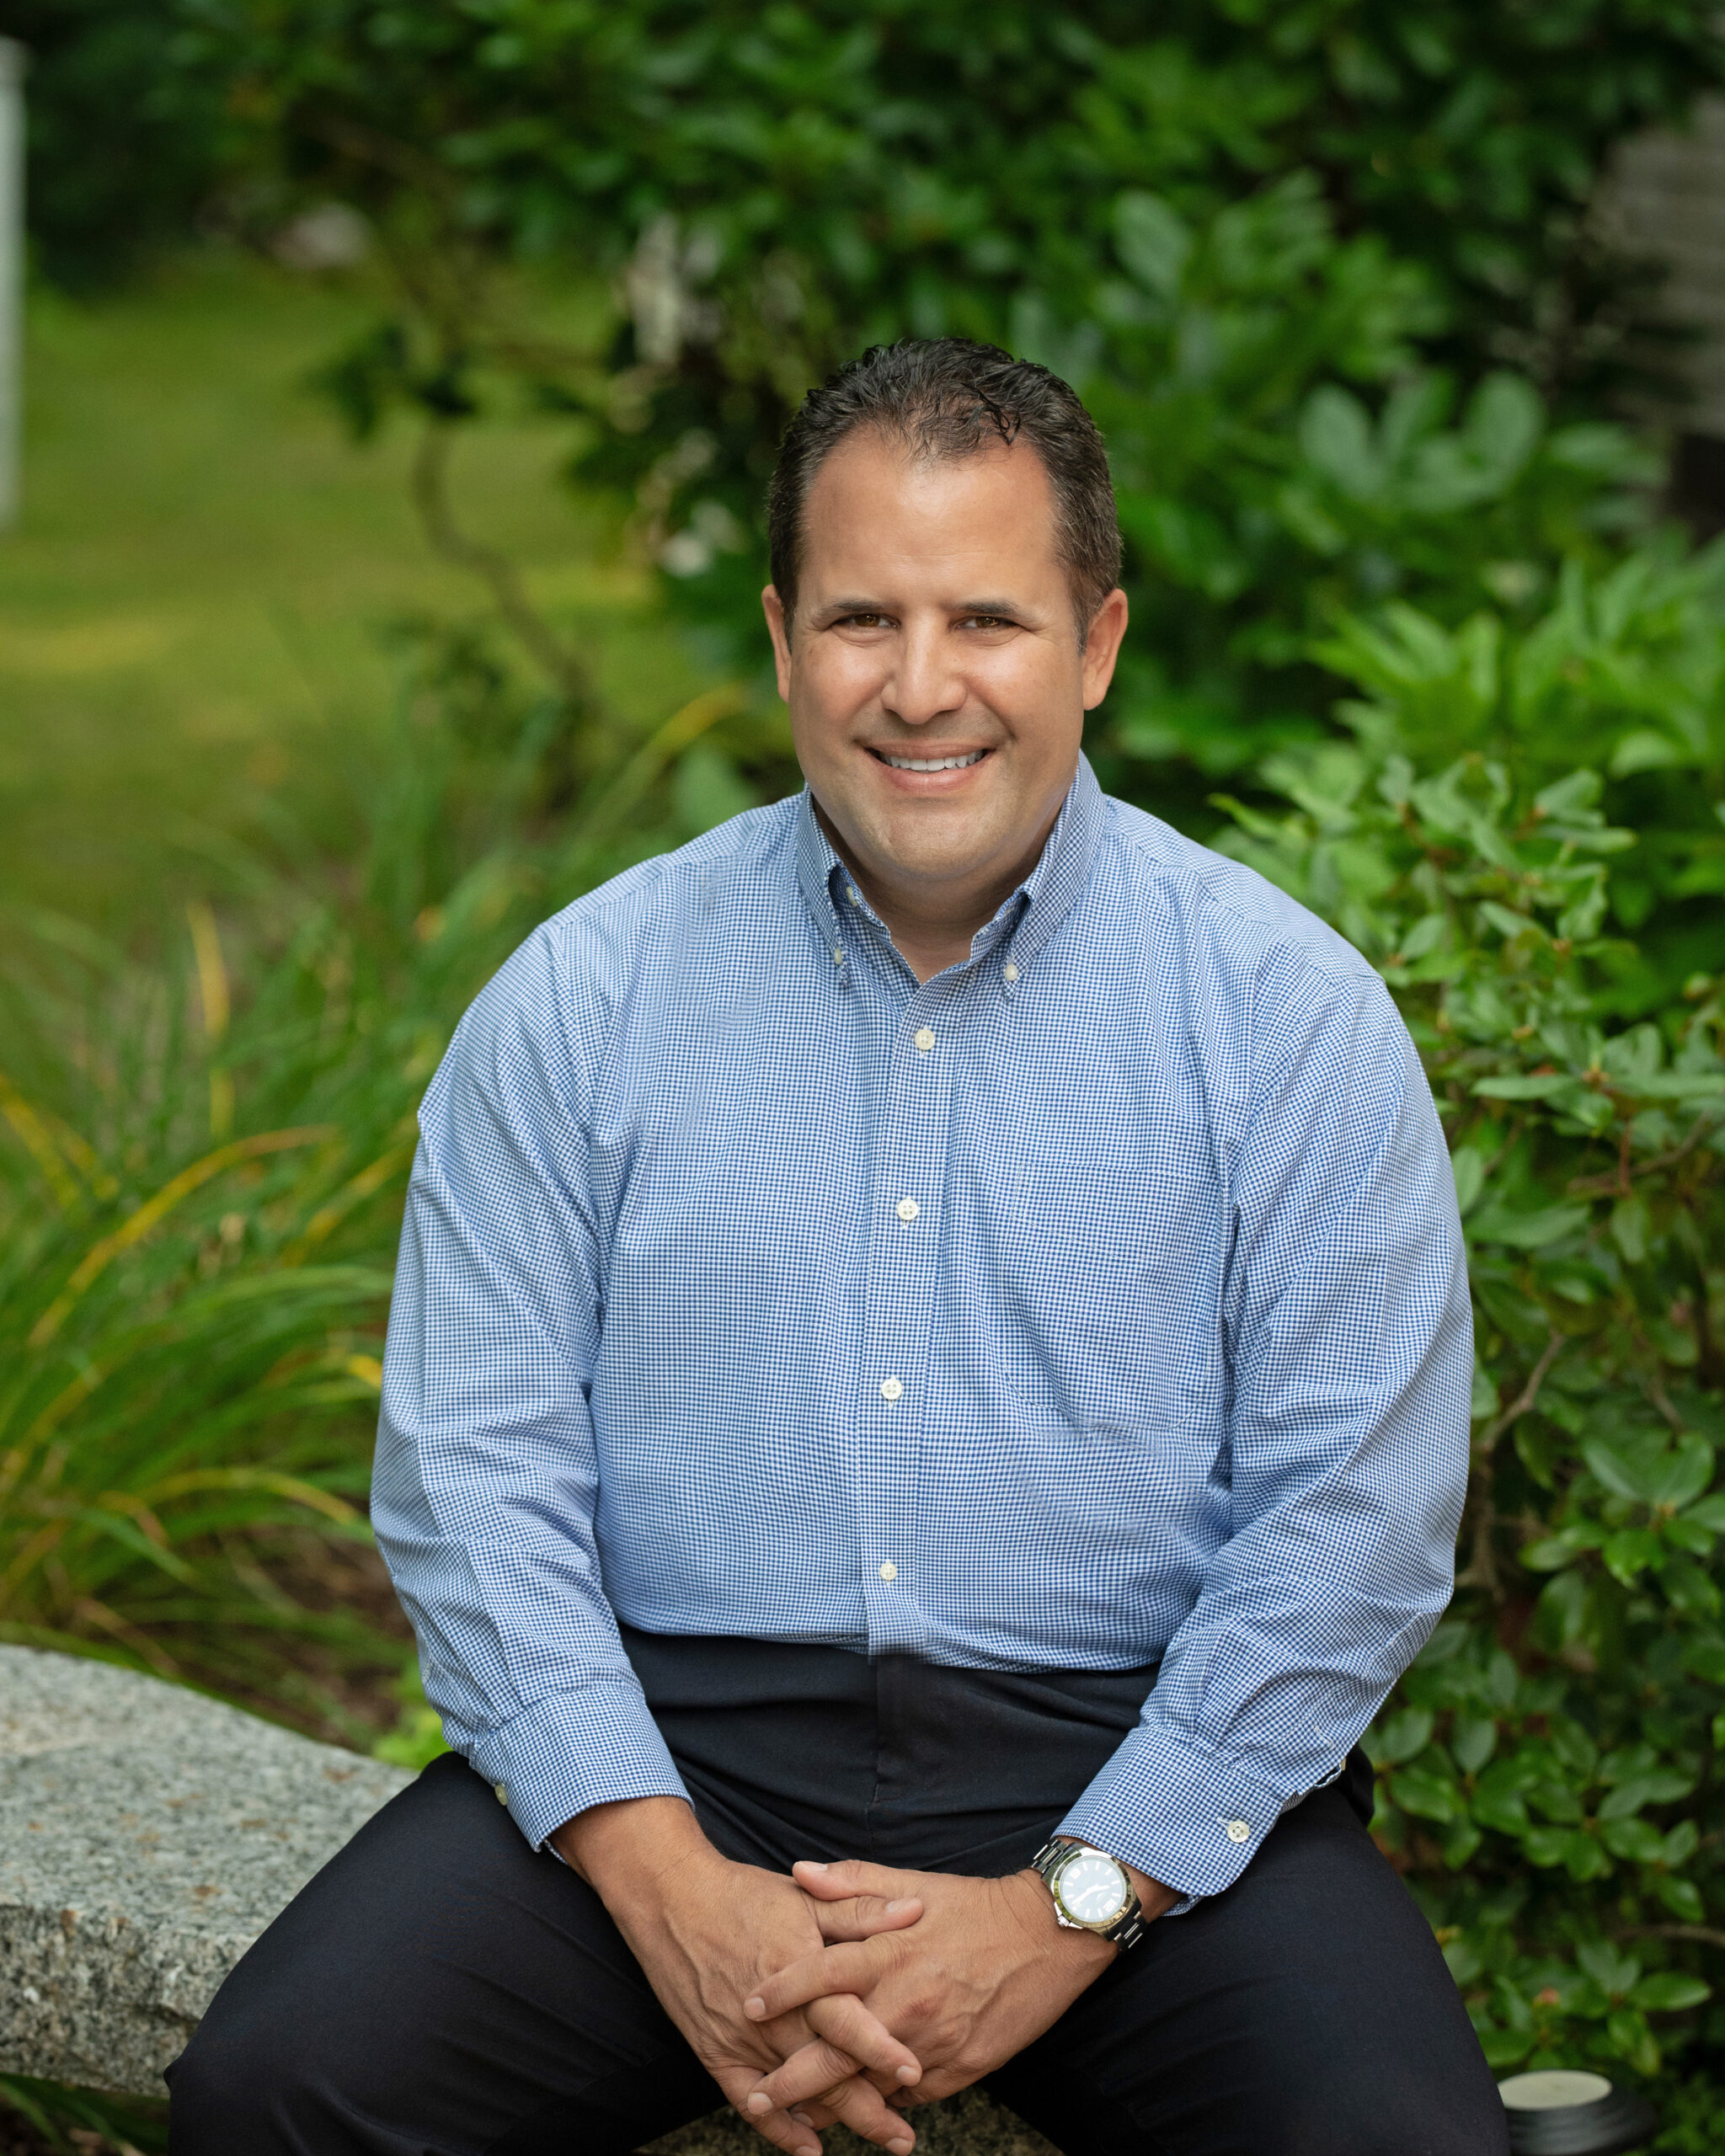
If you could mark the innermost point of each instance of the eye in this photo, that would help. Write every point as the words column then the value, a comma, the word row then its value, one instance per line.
column 988, row 621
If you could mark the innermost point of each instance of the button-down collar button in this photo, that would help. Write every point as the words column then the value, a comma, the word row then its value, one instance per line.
column 907, row 1208
column 888, row 1570
column 1009, row 971
column 500, row 1791
column 850, row 894
column 890, row 1389
column 925, row 1040
column 1238, row 1830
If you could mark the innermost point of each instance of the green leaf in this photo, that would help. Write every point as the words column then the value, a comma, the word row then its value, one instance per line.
column 1704, row 1654
column 1629, row 1228
column 1668, row 1993
column 1153, row 240
column 1682, row 1897
column 1400, row 1736
column 1503, row 1809
column 1578, row 1852
column 1631, row 2039
column 1533, row 1230
column 1638, row 1841
column 1663, row 1785
column 1473, row 1738
column 1629, row 1553
column 1535, row 1086
column 1427, row 1794
column 1460, row 1844
column 1469, row 1168
column 1612, row 1970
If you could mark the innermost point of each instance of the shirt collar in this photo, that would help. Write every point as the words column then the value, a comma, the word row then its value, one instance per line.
column 1029, row 916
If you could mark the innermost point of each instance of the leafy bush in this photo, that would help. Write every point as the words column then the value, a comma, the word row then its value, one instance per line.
column 1286, row 253
column 1547, row 1769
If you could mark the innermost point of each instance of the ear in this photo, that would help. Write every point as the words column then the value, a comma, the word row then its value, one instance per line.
column 778, row 627
column 1102, row 646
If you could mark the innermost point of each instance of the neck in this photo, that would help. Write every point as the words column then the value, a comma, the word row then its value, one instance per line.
column 933, row 924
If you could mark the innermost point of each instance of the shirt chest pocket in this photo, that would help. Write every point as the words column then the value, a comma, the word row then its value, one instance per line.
column 1106, row 1278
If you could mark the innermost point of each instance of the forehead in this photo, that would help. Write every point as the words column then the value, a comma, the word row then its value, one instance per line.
column 877, row 509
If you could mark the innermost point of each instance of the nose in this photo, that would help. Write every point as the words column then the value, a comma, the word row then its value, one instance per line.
column 925, row 682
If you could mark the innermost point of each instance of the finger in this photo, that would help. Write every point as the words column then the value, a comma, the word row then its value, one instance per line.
column 867, row 2114
column 843, row 2020
column 810, row 2071
column 838, row 1882
column 865, row 1915
column 854, row 1968
column 795, row 2136
column 859, row 2106
column 807, row 2073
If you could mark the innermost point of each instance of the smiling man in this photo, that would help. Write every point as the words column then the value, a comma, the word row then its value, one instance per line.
column 931, row 1349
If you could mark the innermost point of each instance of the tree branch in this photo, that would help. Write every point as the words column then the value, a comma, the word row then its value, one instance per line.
column 1482, row 1567
column 1703, row 1934
column 494, row 569
column 1603, row 1186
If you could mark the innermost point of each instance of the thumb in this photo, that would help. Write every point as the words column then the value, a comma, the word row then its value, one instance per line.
column 852, row 1877
column 864, row 1916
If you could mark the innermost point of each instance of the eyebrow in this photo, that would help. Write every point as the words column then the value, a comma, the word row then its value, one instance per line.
column 837, row 609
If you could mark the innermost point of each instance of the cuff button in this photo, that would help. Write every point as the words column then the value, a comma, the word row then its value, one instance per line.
column 1238, row 1830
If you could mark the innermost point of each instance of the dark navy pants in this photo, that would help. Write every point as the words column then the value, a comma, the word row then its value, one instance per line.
column 438, row 1990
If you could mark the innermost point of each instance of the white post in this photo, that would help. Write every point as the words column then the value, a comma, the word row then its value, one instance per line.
column 12, row 66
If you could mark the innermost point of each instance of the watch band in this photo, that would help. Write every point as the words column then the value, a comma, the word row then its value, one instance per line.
column 1126, row 1930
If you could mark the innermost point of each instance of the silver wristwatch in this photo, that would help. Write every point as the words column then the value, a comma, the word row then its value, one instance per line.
column 1091, row 1890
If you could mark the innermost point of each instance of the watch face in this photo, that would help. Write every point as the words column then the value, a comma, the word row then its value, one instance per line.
column 1093, row 1888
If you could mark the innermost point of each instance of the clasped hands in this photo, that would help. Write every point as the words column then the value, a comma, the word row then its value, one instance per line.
column 849, row 1991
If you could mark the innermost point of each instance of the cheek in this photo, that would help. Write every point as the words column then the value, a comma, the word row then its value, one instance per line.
column 827, row 695
column 1038, row 692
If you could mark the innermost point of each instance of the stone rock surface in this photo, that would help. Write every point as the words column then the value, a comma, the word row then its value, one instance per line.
column 148, row 1835
column 966, row 2125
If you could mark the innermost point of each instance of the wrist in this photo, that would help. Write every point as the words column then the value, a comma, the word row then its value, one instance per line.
column 632, row 1852
column 1086, row 1954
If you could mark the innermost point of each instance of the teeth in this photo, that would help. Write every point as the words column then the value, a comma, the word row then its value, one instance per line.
column 934, row 763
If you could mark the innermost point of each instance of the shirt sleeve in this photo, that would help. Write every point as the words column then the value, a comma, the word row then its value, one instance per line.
column 1348, row 1336
column 486, row 1476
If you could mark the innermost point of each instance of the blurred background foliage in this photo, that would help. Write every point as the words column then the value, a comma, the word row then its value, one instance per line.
column 1413, row 632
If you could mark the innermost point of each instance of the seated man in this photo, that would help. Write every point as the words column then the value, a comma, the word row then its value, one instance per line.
column 931, row 1347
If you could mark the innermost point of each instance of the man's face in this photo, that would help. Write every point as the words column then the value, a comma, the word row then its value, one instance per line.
column 936, row 685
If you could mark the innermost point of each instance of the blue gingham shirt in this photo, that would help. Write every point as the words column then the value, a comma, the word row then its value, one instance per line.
column 1100, row 1301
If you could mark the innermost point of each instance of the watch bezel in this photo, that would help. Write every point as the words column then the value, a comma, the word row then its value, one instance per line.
column 1076, row 1853
column 1126, row 1928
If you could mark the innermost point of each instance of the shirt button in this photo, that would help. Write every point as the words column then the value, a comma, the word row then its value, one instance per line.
column 838, row 958
column 850, row 894
column 1238, row 1831
column 888, row 1570
column 500, row 1791
column 890, row 1389
column 1009, row 971
column 925, row 1040
column 907, row 1208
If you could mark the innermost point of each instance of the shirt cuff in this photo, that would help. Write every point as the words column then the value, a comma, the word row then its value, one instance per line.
column 1187, row 1816
column 597, row 1745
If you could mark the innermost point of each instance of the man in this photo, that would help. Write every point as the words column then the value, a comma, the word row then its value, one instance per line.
column 931, row 1339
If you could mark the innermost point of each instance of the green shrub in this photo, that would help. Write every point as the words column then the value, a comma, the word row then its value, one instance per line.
column 1289, row 254
column 1547, row 1769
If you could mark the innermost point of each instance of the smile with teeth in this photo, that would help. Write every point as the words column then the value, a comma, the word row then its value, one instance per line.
column 932, row 763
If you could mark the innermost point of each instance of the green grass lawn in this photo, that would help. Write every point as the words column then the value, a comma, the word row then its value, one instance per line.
column 194, row 603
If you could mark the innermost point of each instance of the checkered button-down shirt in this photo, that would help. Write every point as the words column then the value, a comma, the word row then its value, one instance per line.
column 1100, row 1301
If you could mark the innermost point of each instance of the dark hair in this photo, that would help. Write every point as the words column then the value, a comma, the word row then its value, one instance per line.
column 947, row 398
